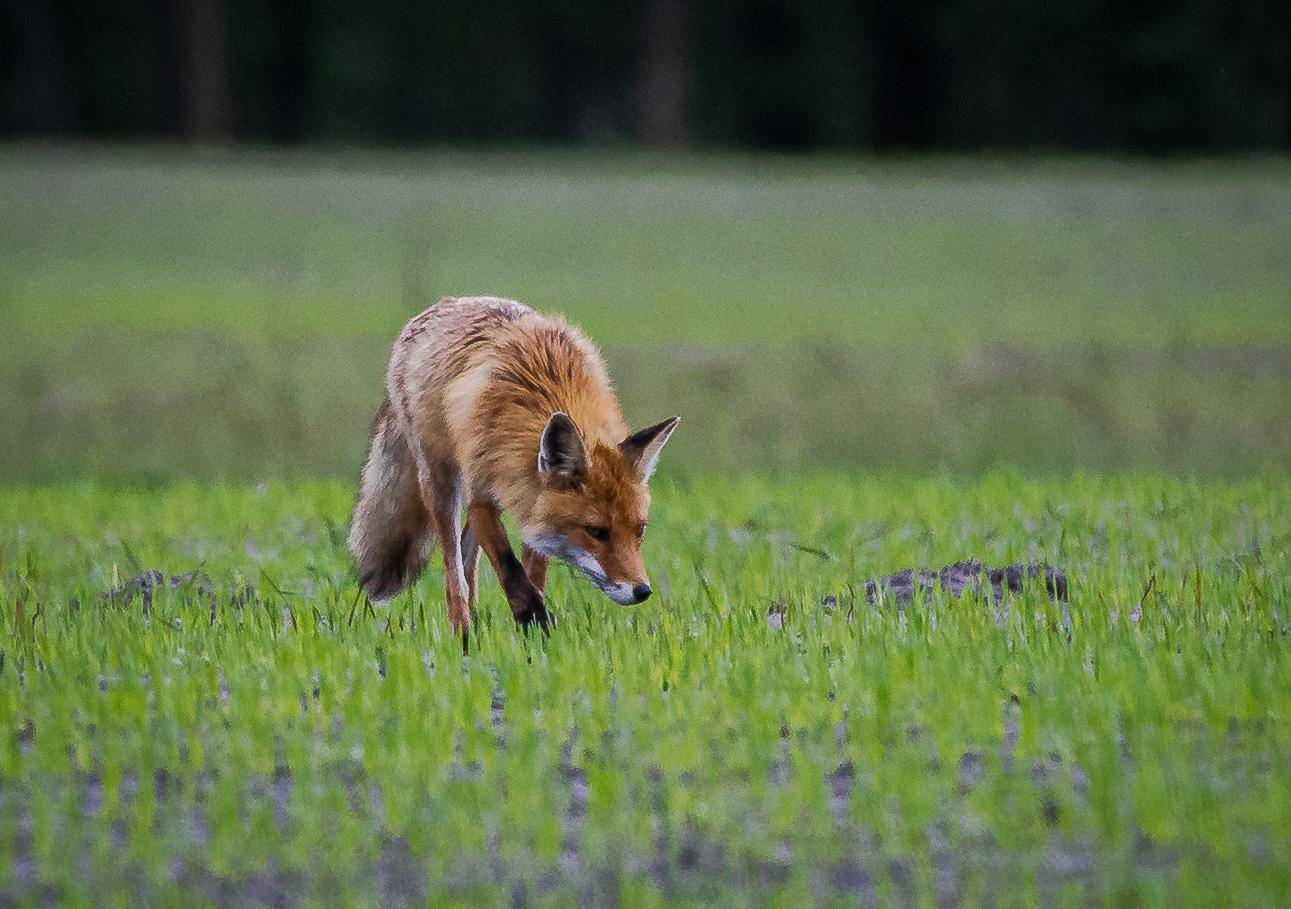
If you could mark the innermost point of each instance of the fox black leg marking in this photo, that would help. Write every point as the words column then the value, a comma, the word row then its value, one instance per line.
column 527, row 603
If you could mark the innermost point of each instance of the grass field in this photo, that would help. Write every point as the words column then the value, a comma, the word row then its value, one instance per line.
column 757, row 734
column 879, row 365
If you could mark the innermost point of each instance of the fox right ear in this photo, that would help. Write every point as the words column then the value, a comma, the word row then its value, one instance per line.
column 642, row 448
column 561, row 455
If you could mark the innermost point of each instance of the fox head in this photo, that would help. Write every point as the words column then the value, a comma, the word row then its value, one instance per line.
column 593, row 506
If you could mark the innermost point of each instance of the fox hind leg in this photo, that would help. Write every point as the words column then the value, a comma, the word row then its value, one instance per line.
column 442, row 494
column 470, row 564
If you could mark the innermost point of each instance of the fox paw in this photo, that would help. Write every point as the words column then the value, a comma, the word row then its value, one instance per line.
column 536, row 616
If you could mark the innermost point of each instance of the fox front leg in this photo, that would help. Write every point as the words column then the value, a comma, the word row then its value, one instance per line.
column 535, row 566
column 526, row 601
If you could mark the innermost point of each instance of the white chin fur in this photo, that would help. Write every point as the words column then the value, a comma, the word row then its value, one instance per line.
column 551, row 545
column 620, row 593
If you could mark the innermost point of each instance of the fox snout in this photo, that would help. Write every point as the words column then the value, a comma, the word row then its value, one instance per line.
column 627, row 593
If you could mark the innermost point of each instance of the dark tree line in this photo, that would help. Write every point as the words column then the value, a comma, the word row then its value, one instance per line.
column 1090, row 75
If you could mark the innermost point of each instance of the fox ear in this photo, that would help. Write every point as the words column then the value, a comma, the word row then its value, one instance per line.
column 642, row 448
column 561, row 454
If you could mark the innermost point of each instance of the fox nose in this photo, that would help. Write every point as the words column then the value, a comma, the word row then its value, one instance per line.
column 641, row 593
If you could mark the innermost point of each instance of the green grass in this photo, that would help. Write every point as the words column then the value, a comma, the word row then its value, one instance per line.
column 956, row 253
column 1131, row 749
column 228, row 316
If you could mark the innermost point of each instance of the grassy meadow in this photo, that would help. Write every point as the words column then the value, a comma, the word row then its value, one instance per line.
column 228, row 317
column 756, row 734
column 879, row 365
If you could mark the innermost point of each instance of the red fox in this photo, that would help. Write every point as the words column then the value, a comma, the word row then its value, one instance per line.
column 492, row 407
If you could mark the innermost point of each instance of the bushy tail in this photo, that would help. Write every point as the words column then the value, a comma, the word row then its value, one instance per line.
column 390, row 530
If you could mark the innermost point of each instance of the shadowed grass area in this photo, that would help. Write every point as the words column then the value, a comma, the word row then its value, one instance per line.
column 1218, row 411
column 150, row 406
column 644, row 249
column 227, row 316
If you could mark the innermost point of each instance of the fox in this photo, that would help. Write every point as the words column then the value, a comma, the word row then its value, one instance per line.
column 492, row 408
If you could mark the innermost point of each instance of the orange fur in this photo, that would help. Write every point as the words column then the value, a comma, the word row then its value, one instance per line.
column 491, row 407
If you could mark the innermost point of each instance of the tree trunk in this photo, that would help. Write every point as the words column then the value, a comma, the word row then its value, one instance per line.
column 204, row 25
column 43, row 104
column 666, row 74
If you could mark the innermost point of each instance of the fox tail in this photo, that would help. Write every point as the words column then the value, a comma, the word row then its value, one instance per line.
column 390, row 533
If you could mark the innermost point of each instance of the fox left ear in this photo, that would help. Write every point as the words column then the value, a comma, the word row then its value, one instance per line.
column 642, row 448
column 561, row 454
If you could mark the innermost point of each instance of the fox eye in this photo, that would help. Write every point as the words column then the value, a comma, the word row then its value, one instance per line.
column 597, row 533
column 641, row 531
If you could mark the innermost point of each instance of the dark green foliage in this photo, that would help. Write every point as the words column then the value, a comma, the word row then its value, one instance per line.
column 879, row 74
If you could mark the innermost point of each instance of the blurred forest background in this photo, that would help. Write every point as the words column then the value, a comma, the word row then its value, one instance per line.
column 1152, row 76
